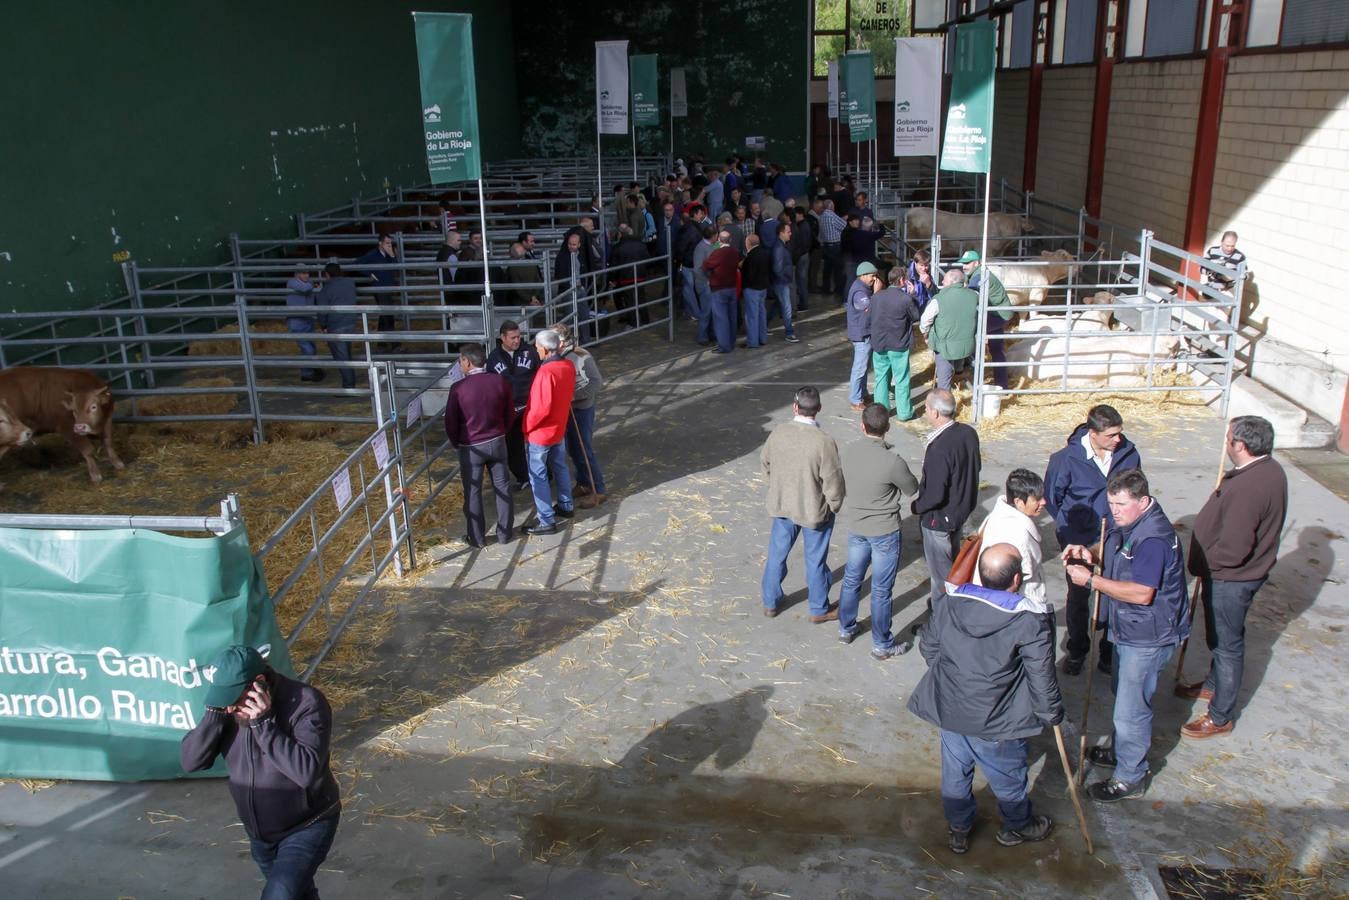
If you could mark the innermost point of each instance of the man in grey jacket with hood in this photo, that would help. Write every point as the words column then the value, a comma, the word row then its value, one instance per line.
column 990, row 685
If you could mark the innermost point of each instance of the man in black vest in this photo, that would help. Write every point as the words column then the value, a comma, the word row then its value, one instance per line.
column 1142, row 584
column 515, row 360
column 948, row 490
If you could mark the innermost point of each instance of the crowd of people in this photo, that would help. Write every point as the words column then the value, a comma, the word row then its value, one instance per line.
column 989, row 639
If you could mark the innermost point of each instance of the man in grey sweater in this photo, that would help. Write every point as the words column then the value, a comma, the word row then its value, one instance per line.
column 805, row 490
column 876, row 477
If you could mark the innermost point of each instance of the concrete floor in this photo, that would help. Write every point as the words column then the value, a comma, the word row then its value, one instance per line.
column 606, row 713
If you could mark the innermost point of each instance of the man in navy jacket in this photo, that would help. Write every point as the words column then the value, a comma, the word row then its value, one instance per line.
column 1075, row 496
column 1142, row 585
column 478, row 413
column 989, row 687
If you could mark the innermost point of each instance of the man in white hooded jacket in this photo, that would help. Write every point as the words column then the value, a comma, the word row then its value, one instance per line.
column 1012, row 521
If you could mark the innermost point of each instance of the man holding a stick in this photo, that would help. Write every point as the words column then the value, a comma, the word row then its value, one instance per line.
column 1234, row 546
column 1142, row 584
column 990, row 685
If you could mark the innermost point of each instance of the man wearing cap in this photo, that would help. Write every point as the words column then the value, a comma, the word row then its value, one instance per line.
column 273, row 732
column 995, row 321
column 859, row 330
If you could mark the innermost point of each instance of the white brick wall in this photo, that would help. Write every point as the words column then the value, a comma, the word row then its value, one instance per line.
column 1282, row 182
column 1065, row 135
column 1010, row 94
column 1150, row 146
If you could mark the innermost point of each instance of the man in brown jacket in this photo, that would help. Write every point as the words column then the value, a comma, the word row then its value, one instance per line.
column 805, row 490
column 1235, row 543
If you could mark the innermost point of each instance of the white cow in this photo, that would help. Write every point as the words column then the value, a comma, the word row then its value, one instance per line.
column 960, row 232
column 1027, row 285
column 1096, row 353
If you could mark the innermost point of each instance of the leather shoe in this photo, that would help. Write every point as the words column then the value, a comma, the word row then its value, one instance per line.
column 1195, row 691
column 592, row 501
column 1204, row 727
column 857, row 407
column 1073, row 665
column 771, row 613
column 472, row 543
column 830, row 615
column 563, row 513
column 541, row 529
column 582, row 491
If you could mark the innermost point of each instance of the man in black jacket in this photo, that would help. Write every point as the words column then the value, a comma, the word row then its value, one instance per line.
column 273, row 732
column 949, row 488
column 989, row 686
column 515, row 360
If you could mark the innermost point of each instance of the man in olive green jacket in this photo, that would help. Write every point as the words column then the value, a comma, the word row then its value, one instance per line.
column 951, row 323
column 805, row 490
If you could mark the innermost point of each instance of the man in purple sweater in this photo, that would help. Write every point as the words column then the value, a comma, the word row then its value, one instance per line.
column 478, row 413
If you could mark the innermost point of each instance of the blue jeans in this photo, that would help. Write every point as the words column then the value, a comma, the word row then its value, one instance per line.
column 861, row 361
column 581, row 449
column 723, row 318
column 783, row 291
column 882, row 555
column 1004, row 766
column 756, row 321
column 1133, row 678
column 703, row 294
column 818, row 576
column 688, row 290
column 893, row 364
column 307, row 348
column 543, row 460
column 341, row 351
column 1225, row 606
column 290, row 863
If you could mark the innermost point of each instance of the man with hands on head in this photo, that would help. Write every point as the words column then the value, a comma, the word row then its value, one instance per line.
column 273, row 732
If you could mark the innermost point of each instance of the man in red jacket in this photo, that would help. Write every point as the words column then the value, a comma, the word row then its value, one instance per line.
column 545, row 429
column 1235, row 544
column 478, row 413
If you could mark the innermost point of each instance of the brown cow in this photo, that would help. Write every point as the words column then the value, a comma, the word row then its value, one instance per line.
column 72, row 402
column 13, row 432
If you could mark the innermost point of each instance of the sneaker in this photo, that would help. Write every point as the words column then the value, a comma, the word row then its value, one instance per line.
column 899, row 648
column 1102, row 756
column 792, row 339
column 848, row 636
column 1113, row 790
column 1037, row 829
column 1073, row 665
column 958, row 841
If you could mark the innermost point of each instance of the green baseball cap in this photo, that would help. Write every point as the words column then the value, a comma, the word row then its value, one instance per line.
column 866, row 268
column 235, row 668
column 968, row 257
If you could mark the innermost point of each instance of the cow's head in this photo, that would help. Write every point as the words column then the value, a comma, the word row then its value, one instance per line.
column 90, row 408
column 1026, row 226
column 12, row 431
column 1058, row 263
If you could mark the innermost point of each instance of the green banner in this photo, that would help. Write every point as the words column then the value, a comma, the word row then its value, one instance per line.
column 106, row 642
column 968, row 146
column 857, row 95
column 449, row 96
column 645, row 86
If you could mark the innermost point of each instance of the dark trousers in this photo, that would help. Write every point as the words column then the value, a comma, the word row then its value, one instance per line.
column 515, row 449
column 1225, row 606
column 833, row 268
column 939, row 549
column 1077, row 610
column 490, row 455
column 341, row 351
column 290, row 863
column 997, row 348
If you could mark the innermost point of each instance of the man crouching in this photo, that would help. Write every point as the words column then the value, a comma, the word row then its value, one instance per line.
column 989, row 686
column 273, row 732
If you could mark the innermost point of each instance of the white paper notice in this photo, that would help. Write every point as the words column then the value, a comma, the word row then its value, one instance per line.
column 381, row 448
column 342, row 489
column 414, row 411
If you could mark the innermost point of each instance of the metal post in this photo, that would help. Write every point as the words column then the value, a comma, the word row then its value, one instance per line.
column 669, row 281
column 977, row 394
column 234, row 249
column 250, row 377
column 133, row 287
column 301, row 227
column 376, row 373
column 547, row 286
column 356, row 207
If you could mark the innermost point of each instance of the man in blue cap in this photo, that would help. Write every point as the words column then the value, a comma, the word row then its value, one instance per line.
column 273, row 732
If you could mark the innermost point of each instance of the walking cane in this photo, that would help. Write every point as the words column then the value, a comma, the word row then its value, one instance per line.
column 585, row 454
column 1072, row 787
column 1198, row 582
column 1093, row 653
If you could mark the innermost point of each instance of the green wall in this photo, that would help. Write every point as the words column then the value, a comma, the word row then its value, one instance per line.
column 746, row 61
column 156, row 128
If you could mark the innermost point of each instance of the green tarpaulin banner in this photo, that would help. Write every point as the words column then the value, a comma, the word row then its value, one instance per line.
column 968, row 146
column 645, row 85
column 106, row 642
column 857, row 95
column 449, row 96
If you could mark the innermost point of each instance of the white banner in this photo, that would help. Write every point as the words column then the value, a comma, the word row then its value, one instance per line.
column 611, row 86
column 833, row 89
column 679, row 94
column 918, row 73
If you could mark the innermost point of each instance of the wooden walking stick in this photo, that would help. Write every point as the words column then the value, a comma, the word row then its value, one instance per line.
column 1198, row 582
column 585, row 455
column 1092, row 653
column 1072, row 787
